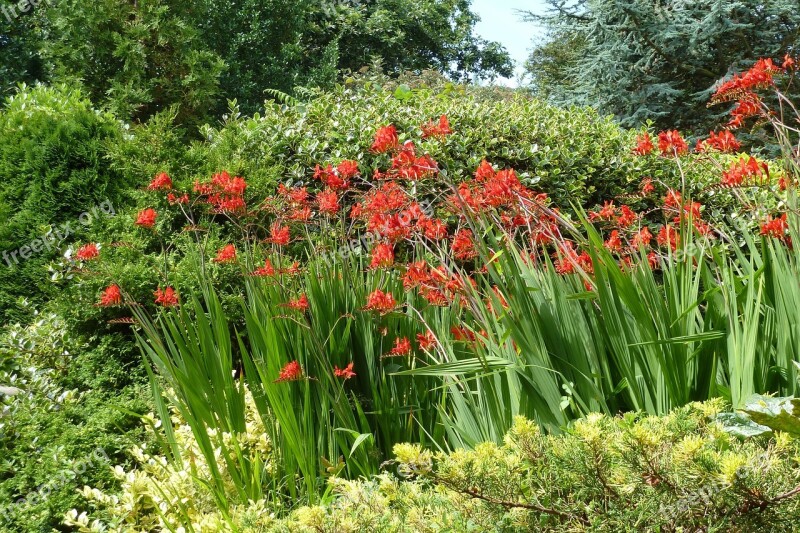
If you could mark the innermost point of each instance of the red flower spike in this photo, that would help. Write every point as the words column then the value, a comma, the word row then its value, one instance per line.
column 402, row 346
column 146, row 218
column 162, row 182
column 344, row 373
column 298, row 304
column 775, row 227
column 166, row 298
column 291, row 371
column 279, row 235
column 266, row 271
column 463, row 247
column 386, row 139
column 644, row 144
column 112, row 295
column 328, row 202
column 87, row 252
column 226, row 254
column 380, row 301
column 427, row 340
column 440, row 129
column 672, row 143
column 382, row 256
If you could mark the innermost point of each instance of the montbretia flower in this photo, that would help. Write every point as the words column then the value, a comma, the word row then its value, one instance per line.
column 426, row 340
column 485, row 171
column 344, row 373
column 437, row 129
column 174, row 200
column 226, row 254
column 386, row 139
column 642, row 237
column 166, row 298
column 402, row 346
column 299, row 304
column 291, row 371
column 162, row 182
column 723, row 141
column 668, row 236
column 614, row 243
column 380, row 301
column 463, row 247
column 742, row 172
column 416, row 274
column 268, row 270
column 672, row 143
column 644, row 144
column 347, row 169
column 146, row 218
column 775, row 227
column 112, row 295
column 382, row 256
column 87, row 252
column 279, row 235
column 627, row 216
column 328, row 202
column 646, row 187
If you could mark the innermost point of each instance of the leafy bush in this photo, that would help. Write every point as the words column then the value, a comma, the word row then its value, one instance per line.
column 52, row 170
column 603, row 473
column 55, row 439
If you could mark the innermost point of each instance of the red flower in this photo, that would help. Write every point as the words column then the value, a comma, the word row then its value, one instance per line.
column 87, row 252
column 380, row 301
column 266, row 270
column 112, row 295
column 172, row 199
column 644, row 144
column 627, row 216
column 758, row 76
column 295, row 195
column 606, row 213
column 328, row 202
column 416, row 275
column 668, row 236
column 614, row 243
column 344, row 373
column 298, row 304
column 463, row 246
column 775, row 227
column 673, row 199
column 331, row 178
column 433, row 228
column 279, row 235
column 291, row 371
column 146, row 218
column 672, row 143
column 646, row 186
column 432, row 129
column 485, row 171
column 723, row 141
column 744, row 168
column 642, row 237
column 166, row 298
column 427, row 340
column 788, row 62
column 347, row 169
column 382, row 256
column 385, row 139
column 226, row 254
column 162, row 182
column 402, row 346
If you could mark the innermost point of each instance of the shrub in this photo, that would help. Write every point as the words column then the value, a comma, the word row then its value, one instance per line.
column 603, row 473
column 52, row 169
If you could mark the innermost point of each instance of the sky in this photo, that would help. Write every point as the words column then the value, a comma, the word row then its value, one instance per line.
column 501, row 22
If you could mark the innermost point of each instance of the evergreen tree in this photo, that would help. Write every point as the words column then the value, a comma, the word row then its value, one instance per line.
column 657, row 59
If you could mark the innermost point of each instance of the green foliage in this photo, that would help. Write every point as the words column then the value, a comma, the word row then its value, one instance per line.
column 52, row 170
column 53, row 438
column 603, row 474
column 644, row 60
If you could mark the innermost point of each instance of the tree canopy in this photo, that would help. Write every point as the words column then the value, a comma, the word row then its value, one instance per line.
column 141, row 57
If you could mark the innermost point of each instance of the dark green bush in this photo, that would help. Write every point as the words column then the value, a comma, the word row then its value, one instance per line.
column 52, row 170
